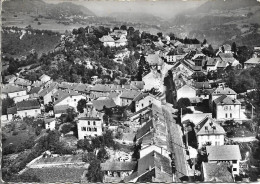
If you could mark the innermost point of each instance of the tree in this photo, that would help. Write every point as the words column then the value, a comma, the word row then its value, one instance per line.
column 183, row 102
column 143, row 68
column 65, row 128
column 204, row 42
column 94, row 172
column 102, row 154
column 123, row 27
column 85, row 145
column 6, row 103
column 88, row 157
column 234, row 47
column 82, row 103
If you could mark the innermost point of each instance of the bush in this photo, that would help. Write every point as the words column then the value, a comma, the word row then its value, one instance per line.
column 10, row 149
column 88, row 157
column 15, row 133
column 102, row 155
column 66, row 128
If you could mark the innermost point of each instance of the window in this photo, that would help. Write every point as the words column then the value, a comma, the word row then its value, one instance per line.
column 234, row 161
column 230, row 115
column 217, row 136
column 142, row 105
column 75, row 100
column 150, row 101
column 234, row 169
column 230, row 107
column 88, row 122
column 17, row 93
column 83, row 128
column 94, row 123
column 226, row 115
column 35, row 110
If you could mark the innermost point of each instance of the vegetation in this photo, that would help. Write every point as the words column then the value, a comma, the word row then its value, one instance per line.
column 81, row 105
column 6, row 103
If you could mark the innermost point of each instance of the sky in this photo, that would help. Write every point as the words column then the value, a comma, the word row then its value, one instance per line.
column 161, row 8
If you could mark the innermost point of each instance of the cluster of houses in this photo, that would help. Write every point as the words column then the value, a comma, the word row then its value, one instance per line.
column 115, row 39
column 147, row 119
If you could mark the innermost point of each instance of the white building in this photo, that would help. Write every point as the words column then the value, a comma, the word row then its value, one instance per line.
column 225, row 153
column 186, row 91
column 89, row 126
column 12, row 91
column 224, row 108
column 45, row 78
column 50, row 123
column 144, row 99
column 208, row 131
column 29, row 108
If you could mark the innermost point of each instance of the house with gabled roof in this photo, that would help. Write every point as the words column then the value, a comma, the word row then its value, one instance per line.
column 108, row 41
column 219, row 91
column 145, row 99
column 50, row 123
column 252, row 62
column 58, row 110
column 116, row 171
column 225, row 108
column 208, row 131
column 46, row 93
column 29, row 108
column 70, row 98
column 186, row 91
column 128, row 96
column 12, row 91
column 153, row 167
column 226, row 153
column 44, row 78
column 216, row 172
column 212, row 63
column 89, row 126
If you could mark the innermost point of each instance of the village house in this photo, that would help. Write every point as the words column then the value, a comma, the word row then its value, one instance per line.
column 225, row 49
column 229, row 59
column 225, row 108
column 46, row 94
column 219, row 91
column 50, row 123
column 28, row 108
column 89, row 126
column 195, row 118
column 209, row 132
column 45, row 78
column 226, row 153
column 128, row 96
column 186, row 91
column 152, row 80
column 251, row 62
column 23, row 83
column 116, row 171
column 108, row 41
column 12, row 91
column 185, row 67
column 99, row 104
column 58, row 110
column 70, row 98
column 211, row 64
column 175, row 55
column 153, row 167
column 145, row 99
column 216, row 172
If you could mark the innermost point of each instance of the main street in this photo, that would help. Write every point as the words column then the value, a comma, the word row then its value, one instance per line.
column 176, row 144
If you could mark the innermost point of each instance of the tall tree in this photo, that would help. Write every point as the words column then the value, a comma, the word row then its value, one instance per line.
column 82, row 103
column 234, row 47
column 143, row 68
column 94, row 172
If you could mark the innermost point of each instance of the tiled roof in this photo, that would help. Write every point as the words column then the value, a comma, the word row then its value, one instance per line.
column 88, row 118
column 12, row 110
column 64, row 95
column 82, row 88
column 222, row 64
column 194, row 100
column 144, row 129
column 43, row 75
column 204, row 91
column 22, row 82
column 107, row 38
column 27, row 104
column 202, row 85
column 227, row 47
column 130, row 94
column 154, row 59
column 137, row 84
column 118, row 166
column 253, row 61
column 11, row 88
column 60, row 109
column 209, row 127
column 154, row 159
column 99, row 104
column 224, row 152
column 226, row 100
column 34, row 90
column 140, row 96
column 48, row 89
column 212, row 61
column 68, row 85
column 195, row 118
column 37, row 84
column 48, row 120
column 223, row 91
column 217, row 172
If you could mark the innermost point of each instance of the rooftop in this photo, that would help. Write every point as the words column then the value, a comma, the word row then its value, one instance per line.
column 253, row 61
column 27, row 104
column 99, row 104
column 118, row 166
column 11, row 88
column 218, row 172
column 208, row 127
column 224, row 152
column 223, row 91
column 226, row 100
column 130, row 94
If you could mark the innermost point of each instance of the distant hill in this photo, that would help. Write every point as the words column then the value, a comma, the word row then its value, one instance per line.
column 136, row 18
column 45, row 9
column 220, row 21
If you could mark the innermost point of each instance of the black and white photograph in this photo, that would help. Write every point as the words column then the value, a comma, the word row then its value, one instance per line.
column 130, row 91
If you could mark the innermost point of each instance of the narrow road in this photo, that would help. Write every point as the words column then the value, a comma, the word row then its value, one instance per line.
column 177, row 146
